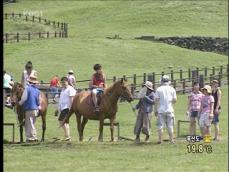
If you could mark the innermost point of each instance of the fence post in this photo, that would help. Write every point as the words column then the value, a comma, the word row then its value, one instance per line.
column 211, row 78
column 20, row 15
column 197, row 71
column 227, row 73
column 55, row 34
column 6, row 16
column 213, row 70
column 201, row 81
column 174, row 84
column 45, row 20
column 205, row 72
column 184, row 86
column 6, row 35
column 47, row 34
column 124, row 77
column 134, row 81
column 28, row 36
column 219, row 78
column 171, row 75
column 66, row 30
column 162, row 73
column 153, row 80
column 144, row 77
column 132, row 89
column 114, row 78
column 13, row 14
column 181, row 71
column 221, row 69
column 17, row 37
column 59, row 34
column 39, row 34
column 58, row 24
column 39, row 19
column 33, row 18
column 26, row 18
column 189, row 74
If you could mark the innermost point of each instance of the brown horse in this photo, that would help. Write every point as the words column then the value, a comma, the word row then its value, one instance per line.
column 16, row 94
column 82, row 107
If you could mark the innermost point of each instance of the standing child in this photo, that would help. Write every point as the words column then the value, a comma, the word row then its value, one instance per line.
column 65, row 102
column 206, row 111
column 145, row 106
column 194, row 102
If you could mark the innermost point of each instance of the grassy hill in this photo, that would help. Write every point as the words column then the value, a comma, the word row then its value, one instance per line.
column 91, row 22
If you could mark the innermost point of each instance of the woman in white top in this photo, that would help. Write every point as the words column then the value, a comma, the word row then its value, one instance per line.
column 27, row 72
column 65, row 102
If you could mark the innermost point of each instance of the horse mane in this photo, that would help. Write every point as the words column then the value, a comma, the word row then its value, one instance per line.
column 111, row 88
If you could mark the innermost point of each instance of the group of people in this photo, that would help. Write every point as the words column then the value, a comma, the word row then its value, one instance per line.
column 30, row 99
column 204, row 105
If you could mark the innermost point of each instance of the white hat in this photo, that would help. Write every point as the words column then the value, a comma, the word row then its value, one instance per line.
column 149, row 85
column 70, row 71
column 33, row 79
column 165, row 78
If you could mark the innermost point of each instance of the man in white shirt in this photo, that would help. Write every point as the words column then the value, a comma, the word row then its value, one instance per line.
column 165, row 98
column 65, row 102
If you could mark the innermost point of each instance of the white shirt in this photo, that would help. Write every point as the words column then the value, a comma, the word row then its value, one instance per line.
column 66, row 95
column 165, row 95
column 7, row 79
column 71, row 80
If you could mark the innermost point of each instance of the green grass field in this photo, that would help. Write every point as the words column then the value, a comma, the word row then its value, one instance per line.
column 90, row 22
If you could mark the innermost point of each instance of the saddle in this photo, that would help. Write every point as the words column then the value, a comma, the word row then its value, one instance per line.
column 99, row 99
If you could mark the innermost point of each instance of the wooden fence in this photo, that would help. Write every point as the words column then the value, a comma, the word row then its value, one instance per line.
column 62, row 33
column 181, row 80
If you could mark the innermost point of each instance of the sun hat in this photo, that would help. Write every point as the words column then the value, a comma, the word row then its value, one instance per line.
column 33, row 79
column 149, row 85
column 208, row 88
column 70, row 72
column 215, row 81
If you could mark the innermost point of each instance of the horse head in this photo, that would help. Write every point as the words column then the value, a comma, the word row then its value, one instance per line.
column 123, row 90
column 16, row 93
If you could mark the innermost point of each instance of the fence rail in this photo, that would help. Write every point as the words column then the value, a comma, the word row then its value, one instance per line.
column 181, row 80
column 16, row 37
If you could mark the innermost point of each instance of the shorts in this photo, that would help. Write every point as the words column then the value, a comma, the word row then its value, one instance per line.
column 194, row 114
column 204, row 120
column 165, row 120
column 63, row 114
column 97, row 90
column 215, row 119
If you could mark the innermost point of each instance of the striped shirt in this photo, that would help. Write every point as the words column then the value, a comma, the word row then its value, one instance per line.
column 195, row 101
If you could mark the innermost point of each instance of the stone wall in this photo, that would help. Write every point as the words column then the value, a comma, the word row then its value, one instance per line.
column 209, row 44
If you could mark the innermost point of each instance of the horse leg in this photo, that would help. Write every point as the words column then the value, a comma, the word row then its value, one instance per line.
column 112, row 128
column 78, row 118
column 84, row 122
column 43, row 118
column 101, row 121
